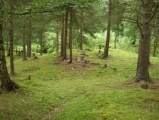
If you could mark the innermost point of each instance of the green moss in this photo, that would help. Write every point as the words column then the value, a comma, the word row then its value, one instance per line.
column 57, row 92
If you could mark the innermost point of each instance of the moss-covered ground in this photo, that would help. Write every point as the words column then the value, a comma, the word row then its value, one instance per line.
column 95, row 89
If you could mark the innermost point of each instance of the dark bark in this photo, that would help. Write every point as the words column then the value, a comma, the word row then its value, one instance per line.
column 70, row 36
column 57, row 36
column 81, row 31
column 29, row 36
column 155, row 47
column 156, row 34
column 115, row 40
column 6, row 83
column 116, row 36
column 8, row 51
column 65, row 40
column 8, row 48
column 62, row 35
column 24, row 43
column 106, row 50
column 155, row 44
column 41, row 41
column 11, row 40
column 142, row 73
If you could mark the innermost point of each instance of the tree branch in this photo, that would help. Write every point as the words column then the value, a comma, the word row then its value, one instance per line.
column 139, row 25
column 153, row 13
column 143, row 2
column 118, row 5
column 130, row 20
column 29, row 12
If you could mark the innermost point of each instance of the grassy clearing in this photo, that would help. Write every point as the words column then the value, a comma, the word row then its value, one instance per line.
column 59, row 91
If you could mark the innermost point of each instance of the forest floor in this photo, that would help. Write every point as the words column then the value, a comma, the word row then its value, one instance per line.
column 89, row 89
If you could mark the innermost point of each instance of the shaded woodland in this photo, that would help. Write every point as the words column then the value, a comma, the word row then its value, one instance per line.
column 95, row 39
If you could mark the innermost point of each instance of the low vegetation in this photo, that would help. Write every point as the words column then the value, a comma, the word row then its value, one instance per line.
column 94, row 89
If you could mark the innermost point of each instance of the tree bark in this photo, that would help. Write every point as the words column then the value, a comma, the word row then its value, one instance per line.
column 65, row 41
column 11, row 39
column 8, row 47
column 62, row 34
column 116, row 38
column 70, row 35
column 156, row 34
column 29, row 36
column 142, row 73
column 57, row 36
column 106, row 50
column 24, row 43
column 41, row 41
column 155, row 46
column 81, row 31
column 116, row 35
column 6, row 83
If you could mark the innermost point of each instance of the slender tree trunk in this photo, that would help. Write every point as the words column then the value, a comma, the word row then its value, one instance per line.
column 155, row 43
column 27, row 39
column 156, row 34
column 8, row 47
column 65, row 41
column 116, row 36
column 115, row 40
column 62, row 34
column 24, row 43
column 106, row 50
column 29, row 36
column 11, row 39
column 6, row 83
column 41, row 42
column 70, row 35
column 81, row 31
column 155, row 47
column 142, row 73
column 57, row 36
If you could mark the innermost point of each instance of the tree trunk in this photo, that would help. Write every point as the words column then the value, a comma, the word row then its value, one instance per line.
column 142, row 73
column 155, row 46
column 156, row 34
column 11, row 39
column 115, row 40
column 24, row 43
column 41, row 41
column 57, row 36
column 6, row 83
column 70, row 35
column 81, row 31
column 62, row 34
column 116, row 36
column 29, row 36
column 8, row 47
column 27, row 39
column 106, row 50
column 65, row 41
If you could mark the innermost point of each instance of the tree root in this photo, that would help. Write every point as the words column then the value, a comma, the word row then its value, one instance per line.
column 10, row 86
